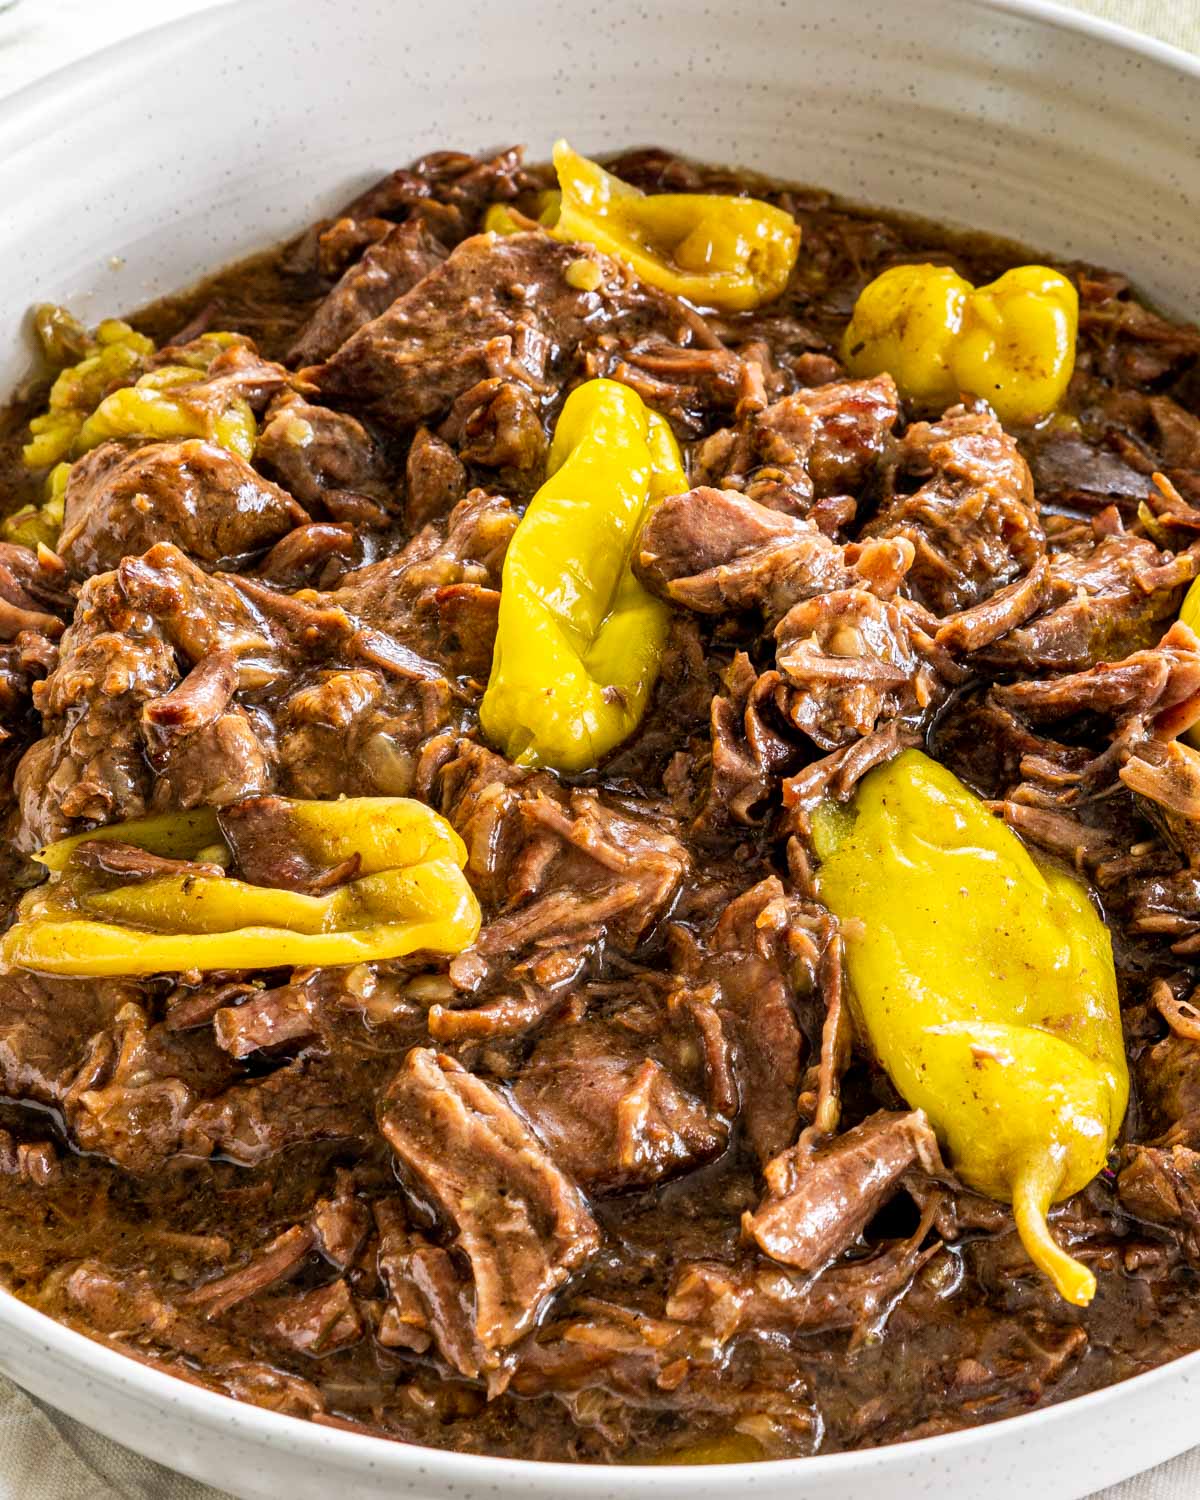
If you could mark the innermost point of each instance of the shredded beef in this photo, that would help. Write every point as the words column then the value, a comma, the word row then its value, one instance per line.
column 623, row 1180
column 519, row 1221
column 972, row 522
column 808, row 446
column 819, row 1200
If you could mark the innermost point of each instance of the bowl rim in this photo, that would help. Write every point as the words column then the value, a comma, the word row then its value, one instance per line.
column 34, row 104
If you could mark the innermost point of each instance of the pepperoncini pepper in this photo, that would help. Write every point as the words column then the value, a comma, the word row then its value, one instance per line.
column 580, row 640
column 717, row 250
column 156, row 407
column 115, row 355
column 504, row 218
column 985, row 985
column 1011, row 342
column 407, row 892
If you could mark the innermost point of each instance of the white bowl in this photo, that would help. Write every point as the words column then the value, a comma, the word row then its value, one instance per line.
column 136, row 172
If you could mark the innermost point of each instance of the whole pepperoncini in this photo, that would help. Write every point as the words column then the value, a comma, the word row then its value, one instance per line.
column 1012, row 342
column 715, row 249
column 580, row 641
column 985, row 985
column 404, row 890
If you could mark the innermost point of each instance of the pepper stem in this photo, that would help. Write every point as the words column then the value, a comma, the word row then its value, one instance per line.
column 1033, row 1191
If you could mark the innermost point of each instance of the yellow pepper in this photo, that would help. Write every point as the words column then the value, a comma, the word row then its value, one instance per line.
column 40, row 523
column 715, row 249
column 408, row 894
column 115, row 355
column 985, row 985
column 1012, row 342
column 580, row 641
column 148, row 410
column 501, row 218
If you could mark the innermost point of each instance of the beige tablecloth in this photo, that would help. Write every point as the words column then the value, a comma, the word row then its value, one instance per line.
column 45, row 1456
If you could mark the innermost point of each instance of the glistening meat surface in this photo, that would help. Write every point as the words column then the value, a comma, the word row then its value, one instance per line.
column 621, row 1180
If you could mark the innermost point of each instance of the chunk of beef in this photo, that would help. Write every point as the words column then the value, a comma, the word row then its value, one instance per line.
column 435, row 479
column 308, row 1099
column 134, row 1093
column 430, row 1301
column 1069, row 470
column 441, row 593
column 389, row 267
column 1167, row 905
column 608, row 1359
column 273, row 1263
column 1162, row 1186
column 850, row 662
column 269, row 1018
column 177, row 689
column 715, row 550
column 500, row 306
column 749, row 749
column 1098, row 605
column 316, row 1322
column 557, row 866
column 809, row 445
column 973, row 523
column 131, row 628
column 312, row 556
column 34, row 593
column 1168, row 1076
column 90, row 765
column 1127, row 342
column 326, row 459
column 446, row 190
column 130, row 864
column 124, row 1086
column 763, row 949
column 1006, row 609
column 1164, row 777
column 755, row 1296
column 612, row 1117
column 1159, row 686
column 206, row 500
column 820, row 1197
column 519, row 1221
column 263, row 836
column 46, row 1024
column 497, row 423
column 135, row 1315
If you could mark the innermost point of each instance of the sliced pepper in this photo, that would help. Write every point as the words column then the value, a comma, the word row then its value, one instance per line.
column 1012, row 342
column 408, row 894
column 580, row 641
column 985, row 985
column 715, row 249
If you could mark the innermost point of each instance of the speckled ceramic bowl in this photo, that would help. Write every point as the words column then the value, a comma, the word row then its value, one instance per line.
column 134, row 173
